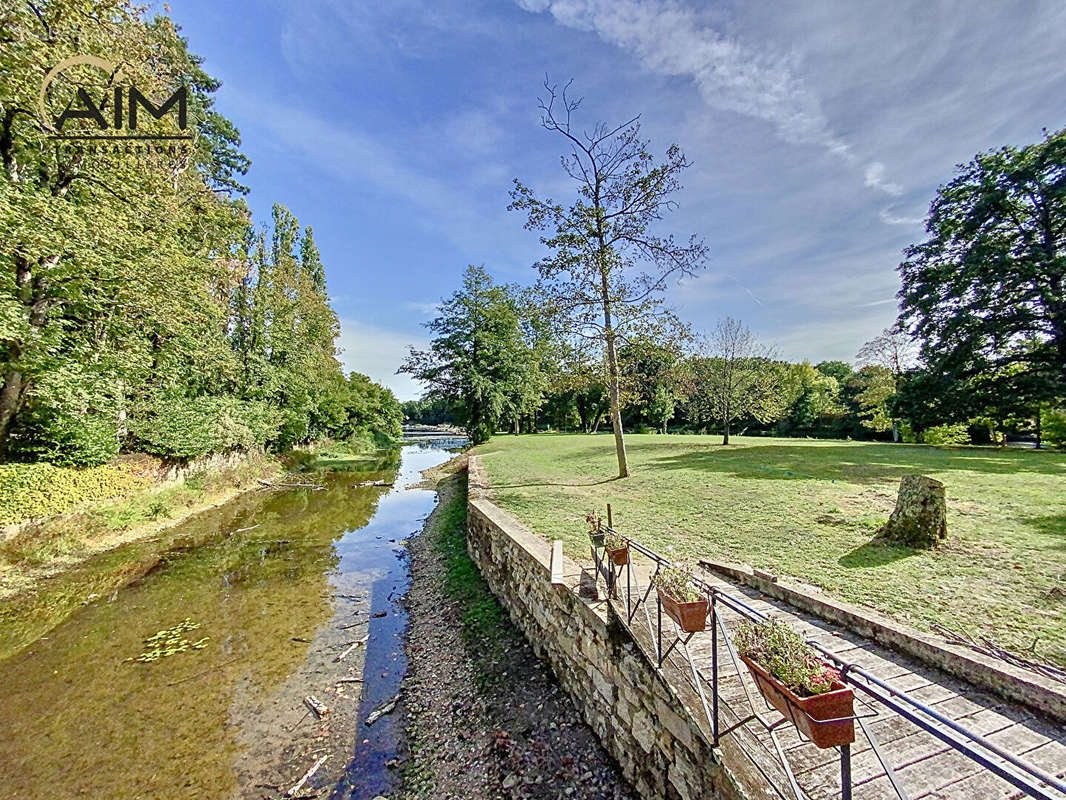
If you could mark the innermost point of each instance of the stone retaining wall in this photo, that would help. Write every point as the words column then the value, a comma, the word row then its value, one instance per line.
column 637, row 715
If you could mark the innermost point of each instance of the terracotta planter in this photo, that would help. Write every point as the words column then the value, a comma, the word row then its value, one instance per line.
column 691, row 617
column 807, row 713
column 619, row 557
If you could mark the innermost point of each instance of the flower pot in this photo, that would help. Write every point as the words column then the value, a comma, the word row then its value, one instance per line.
column 690, row 617
column 619, row 557
column 596, row 539
column 808, row 714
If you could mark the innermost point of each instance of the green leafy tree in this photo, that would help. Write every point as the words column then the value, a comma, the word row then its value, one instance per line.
column 734, row 379
column 475, row 360
column 985, row 294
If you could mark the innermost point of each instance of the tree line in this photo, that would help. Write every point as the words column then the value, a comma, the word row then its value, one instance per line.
column 141, row 307
column 978, row 351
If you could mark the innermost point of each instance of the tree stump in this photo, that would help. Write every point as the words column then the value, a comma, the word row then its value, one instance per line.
column 921, row 515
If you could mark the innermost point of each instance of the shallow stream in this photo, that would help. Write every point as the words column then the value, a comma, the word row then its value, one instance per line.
column 277, row 584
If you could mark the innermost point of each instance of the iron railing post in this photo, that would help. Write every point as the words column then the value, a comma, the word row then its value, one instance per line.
column 845, row 772
column 714, row 669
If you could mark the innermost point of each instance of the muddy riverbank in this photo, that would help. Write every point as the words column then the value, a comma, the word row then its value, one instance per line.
column 485, row 717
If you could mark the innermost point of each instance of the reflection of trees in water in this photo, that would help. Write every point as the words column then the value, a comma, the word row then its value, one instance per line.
column 78, row 719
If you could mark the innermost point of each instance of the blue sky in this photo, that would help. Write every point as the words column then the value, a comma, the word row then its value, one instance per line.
column 819, row 132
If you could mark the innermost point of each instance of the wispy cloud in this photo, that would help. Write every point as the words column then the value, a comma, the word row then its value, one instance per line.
column 730, row 75
column 874, row 177
column 890, row 218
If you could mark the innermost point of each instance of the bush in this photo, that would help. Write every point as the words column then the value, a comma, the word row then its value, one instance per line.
column 33, row 491
column 947, row 434
column 65, row 438
column 1053, row 426
column 178, row 427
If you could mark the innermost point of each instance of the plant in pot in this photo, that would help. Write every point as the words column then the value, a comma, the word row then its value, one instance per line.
column 595, row 523
column 679, row 597
column 617, row 549
column 795, row 681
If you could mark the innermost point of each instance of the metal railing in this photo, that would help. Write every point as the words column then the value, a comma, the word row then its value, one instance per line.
column 871, row 690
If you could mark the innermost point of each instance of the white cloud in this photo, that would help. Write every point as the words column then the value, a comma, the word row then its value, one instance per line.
column 421, row 307
column 875, row 178
column 669, row 40
column 378, row 352
column 889, row 218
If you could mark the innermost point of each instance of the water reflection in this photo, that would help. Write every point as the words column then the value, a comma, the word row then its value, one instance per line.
column 261, row 575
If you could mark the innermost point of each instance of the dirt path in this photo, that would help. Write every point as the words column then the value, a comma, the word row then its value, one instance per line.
column 485, row 717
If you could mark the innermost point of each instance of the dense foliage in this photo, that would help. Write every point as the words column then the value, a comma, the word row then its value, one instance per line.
column 985, row 294
column 40, row 490
column 140, row 309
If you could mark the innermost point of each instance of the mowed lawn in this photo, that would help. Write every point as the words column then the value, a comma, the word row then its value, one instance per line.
column 810, row 508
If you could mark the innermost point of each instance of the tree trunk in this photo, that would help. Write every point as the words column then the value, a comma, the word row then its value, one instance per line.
column 920, row 518
column 1039, row 431
column 616, row 410
column 10, row 400
column 725, row 431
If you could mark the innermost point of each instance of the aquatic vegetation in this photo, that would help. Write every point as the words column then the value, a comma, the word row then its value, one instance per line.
column 170, row 641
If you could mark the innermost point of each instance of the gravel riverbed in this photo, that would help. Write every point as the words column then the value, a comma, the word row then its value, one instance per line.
column 484, row 716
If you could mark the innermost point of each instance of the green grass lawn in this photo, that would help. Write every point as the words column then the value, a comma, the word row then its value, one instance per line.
column 809, row 509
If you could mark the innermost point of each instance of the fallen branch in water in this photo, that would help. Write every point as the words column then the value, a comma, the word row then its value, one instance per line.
column 270, row 485
column 249, row 528
column 318, row 708
column 382, row 710
column 371, row 483
column 351, row 647
column 307, row 776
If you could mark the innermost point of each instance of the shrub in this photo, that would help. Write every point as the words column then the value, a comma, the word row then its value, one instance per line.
column 65, row 438
column 676, row 581
column 612, row 541
column 786, row 656
column 1053, row 426
column 947, row 434
column 33, row 491
column 180, row 427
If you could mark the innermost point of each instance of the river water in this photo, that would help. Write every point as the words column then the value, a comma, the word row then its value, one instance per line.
column 276, row 583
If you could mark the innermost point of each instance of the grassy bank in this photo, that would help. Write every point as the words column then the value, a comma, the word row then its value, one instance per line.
column 122, row 511
column 810, row 508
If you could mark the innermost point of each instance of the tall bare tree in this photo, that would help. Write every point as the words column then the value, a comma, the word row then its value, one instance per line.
column 607, row 269
column 735, row 378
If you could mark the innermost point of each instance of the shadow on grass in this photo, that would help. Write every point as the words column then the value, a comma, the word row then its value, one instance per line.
column 875, row 553
column 1052, row 524
column 549, row 483
column 861, row 464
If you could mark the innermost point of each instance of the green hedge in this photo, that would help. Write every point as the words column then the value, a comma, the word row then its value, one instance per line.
column 39, row 490
column 174, row 427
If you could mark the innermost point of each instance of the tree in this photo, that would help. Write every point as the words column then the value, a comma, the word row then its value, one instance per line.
column 607, row 269
column 985, row 294
column 883, row 361
column 893, row 350
column 734, row 379
column 115, row 272
column 475, row 361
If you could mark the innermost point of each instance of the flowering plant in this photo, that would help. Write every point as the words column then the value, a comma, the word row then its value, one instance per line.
column 785, row 655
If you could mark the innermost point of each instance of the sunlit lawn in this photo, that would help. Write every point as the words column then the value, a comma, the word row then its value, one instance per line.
column 810, row 508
